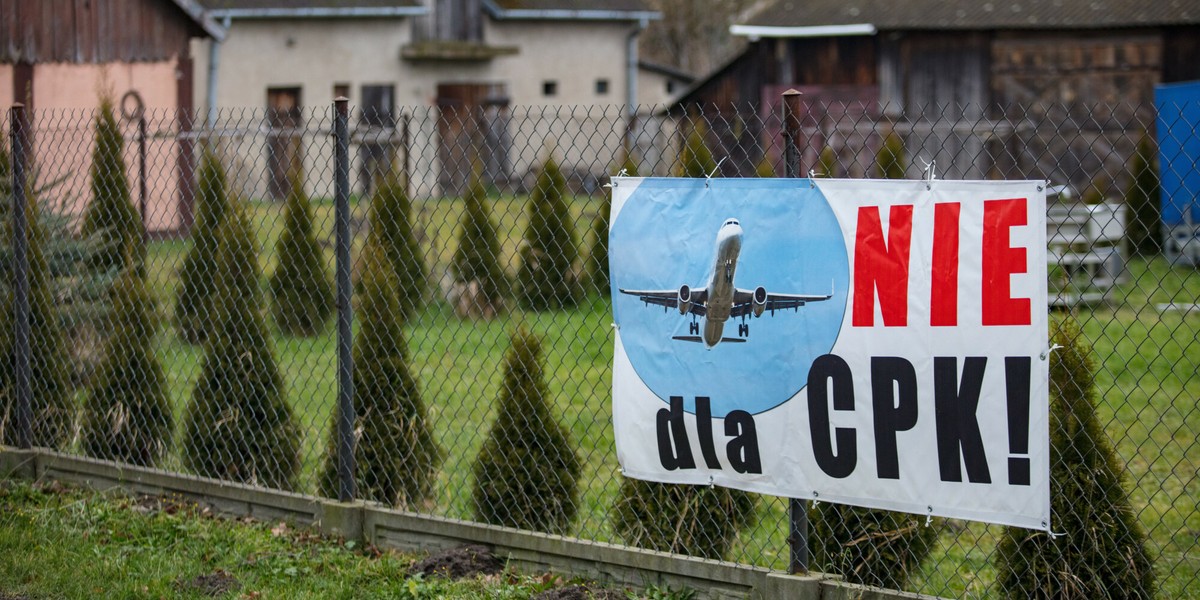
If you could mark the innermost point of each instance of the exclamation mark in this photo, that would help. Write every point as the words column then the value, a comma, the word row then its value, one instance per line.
column 1016, row 381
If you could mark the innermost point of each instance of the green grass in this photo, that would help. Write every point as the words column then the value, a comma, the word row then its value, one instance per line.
column 60, row 542
column 1147, row 363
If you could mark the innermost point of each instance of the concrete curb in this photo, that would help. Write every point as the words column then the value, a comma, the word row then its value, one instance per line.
column 388, row 528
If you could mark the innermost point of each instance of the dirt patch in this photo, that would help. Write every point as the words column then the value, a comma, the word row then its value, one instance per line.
column 580, row 592
column 212, row 585
column 459, row 563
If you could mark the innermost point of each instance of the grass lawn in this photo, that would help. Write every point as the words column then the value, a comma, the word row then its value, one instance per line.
column 59, row 542
column 1147, row 383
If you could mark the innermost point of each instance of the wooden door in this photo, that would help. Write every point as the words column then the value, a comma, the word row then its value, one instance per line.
column 284, row 122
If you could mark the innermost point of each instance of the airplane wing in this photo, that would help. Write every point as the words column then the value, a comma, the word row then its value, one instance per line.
column 743, row 302
column 670, row 299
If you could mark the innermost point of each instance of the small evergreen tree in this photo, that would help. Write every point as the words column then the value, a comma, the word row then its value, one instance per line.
column 1142, row 198
column 696, row 159
column 890, row 160
column 765, row 167
column 49, row 365
column 477, row 259
column 527, row 472
column 597, row 271
column 127, row 416
column 868, row 546
column 239, row 426
column 1105, row 554
column 110, row 213
column 546, row 278
column 827, row 164
column 391, row 219
column 198, row 274
column 301, row 292
column 696, row 520
column 395, row 452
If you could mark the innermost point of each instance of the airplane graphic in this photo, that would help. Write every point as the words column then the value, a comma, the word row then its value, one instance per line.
column 720, row 301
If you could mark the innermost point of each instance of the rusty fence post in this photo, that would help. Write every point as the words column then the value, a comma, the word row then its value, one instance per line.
column 345, row 317
column 797, row 509
column 23, row 386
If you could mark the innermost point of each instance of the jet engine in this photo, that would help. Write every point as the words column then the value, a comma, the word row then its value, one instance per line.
column 685, row 299
column 758, row 303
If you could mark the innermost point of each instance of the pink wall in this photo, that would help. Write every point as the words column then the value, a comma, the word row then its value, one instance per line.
column 65, row 98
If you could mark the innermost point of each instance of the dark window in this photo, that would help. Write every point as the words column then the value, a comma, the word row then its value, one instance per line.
column 550, row 88
column 378, row 105
column 601, row 87
column 670, row 87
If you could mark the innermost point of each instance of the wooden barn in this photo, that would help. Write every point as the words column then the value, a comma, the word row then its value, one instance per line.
column 58, row 56
column 982, row 87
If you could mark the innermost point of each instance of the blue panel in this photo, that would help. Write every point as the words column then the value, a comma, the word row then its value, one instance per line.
column 1178, row 129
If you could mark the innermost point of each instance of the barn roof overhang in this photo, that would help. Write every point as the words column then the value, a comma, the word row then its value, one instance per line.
column 768, row 31
column 203, row 18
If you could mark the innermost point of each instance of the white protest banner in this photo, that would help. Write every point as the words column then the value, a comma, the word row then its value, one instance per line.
column 875, row 343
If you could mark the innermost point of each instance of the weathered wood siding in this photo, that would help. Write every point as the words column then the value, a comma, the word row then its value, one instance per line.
column 93, row 31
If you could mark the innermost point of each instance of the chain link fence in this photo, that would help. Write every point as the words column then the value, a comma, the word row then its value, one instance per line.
column 184, row 281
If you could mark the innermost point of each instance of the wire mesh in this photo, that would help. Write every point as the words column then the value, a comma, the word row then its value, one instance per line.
column 482, row 340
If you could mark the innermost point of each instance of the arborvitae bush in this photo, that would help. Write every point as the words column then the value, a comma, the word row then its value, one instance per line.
column 527, row 472
column 1142, row 198
column 396, row 455
column 827, row 164
column 546, row 278
column 199, row 274
column 239, row 426
column 110, row 213
column 127, row 416
column 49, row 363
column 1103, row 554
column 696, row 159
column 890, row 160
column 476, row 265
column 301, row 292
column 696, row 520
column 872, row 547
column 597, row 266
column 765, row 167
column 392, row 222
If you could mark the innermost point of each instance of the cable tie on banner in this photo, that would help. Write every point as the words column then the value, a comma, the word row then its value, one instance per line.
column 711, row 482
column 929, row 516
column 1046, row 353
column 714, row 171
column 812, row 174
column 930, row 172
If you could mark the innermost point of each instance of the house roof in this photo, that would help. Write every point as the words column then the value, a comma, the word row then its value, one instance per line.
column 594, row 10
column 968, row 14
column 265, row 9
column 196, row 12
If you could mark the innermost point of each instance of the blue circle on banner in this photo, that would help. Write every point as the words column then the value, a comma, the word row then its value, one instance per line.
column 666, row 236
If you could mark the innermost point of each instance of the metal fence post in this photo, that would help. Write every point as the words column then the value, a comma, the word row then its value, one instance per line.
column 21, row 342
column 798, row 509
column 345, row 316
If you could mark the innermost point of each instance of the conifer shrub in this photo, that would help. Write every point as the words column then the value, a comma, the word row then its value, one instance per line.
column 869, row 546
column 890, row 161
column 238, row 425
column 1104, row 554
column 597, row 266
column 546, row 279
column 476, row 264
column 110, row 214
column 526, row 474
column 51, row 405
column 301, row 291
column 696, row 520
column 127, row 415
column 696, row 160
column 827, row 163
column 1142, row 198
column 199, row 274
column 392, row 222
column 765, row 167
column 396, row 455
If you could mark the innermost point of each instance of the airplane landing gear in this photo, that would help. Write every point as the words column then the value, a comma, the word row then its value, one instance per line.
column 694, row 328
column 744, row 329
